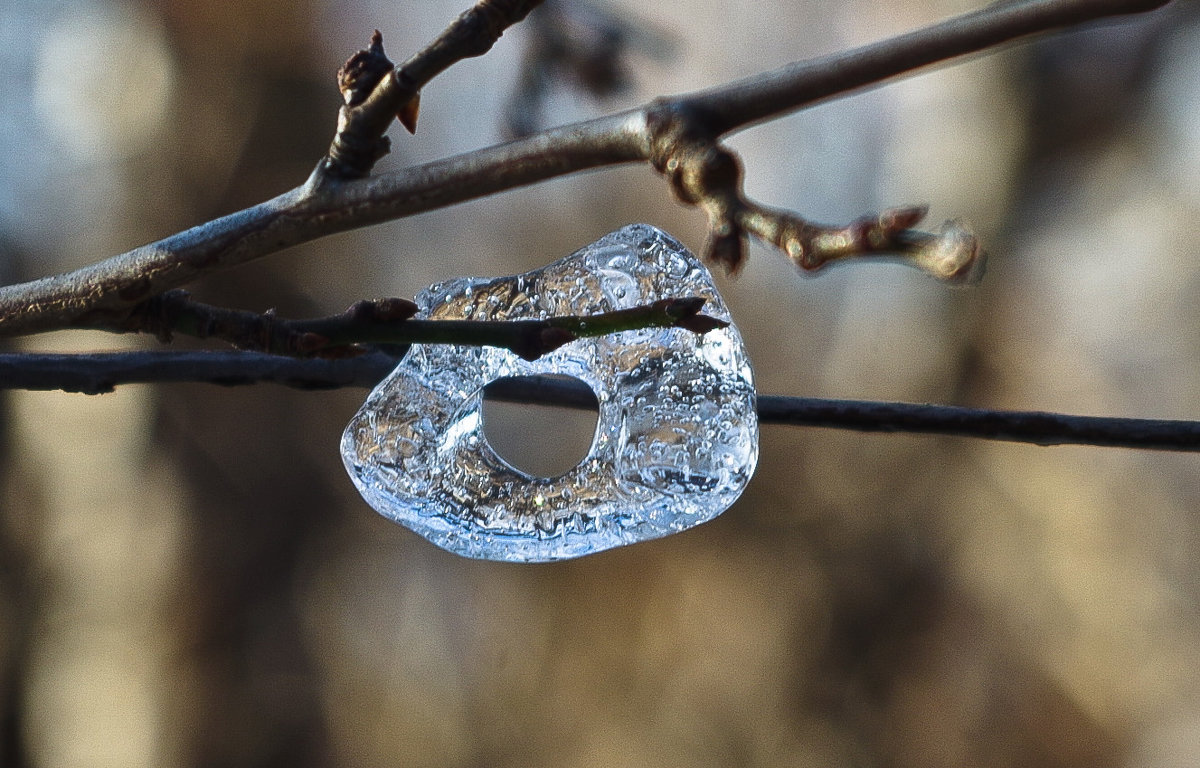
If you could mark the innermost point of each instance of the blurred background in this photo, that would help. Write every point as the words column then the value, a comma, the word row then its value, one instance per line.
column 188, row 578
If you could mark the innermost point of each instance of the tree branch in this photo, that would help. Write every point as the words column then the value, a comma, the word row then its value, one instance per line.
column 391, row 321
column 743, row 103
column 101, row 372
column 97, row 373
column 678, row 134
column 376, row 93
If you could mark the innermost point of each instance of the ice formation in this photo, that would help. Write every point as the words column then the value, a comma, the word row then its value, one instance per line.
column 676, row 440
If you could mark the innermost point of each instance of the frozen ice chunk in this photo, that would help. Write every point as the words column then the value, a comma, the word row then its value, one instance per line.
column 676, row 439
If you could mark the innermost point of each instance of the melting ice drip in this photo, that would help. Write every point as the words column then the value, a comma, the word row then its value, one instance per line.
column 676, row 440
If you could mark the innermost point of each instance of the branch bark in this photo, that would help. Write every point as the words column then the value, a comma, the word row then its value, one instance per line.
column 109, row 289
column 99, row 373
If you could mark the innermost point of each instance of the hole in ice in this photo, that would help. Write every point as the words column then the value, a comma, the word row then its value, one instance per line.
column 540, row 440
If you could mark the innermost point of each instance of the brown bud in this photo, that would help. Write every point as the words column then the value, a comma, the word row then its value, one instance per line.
column 895, row 219
column 363, row 71
column 407, row 114
column 392, row 310
column 679, row 308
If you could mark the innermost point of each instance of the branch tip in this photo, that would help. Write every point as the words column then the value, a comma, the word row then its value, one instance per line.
column 700, row 324
column 953, row 255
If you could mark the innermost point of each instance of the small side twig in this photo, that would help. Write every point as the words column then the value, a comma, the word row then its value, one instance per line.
column 952, row 254
column 376, row 92
column 704, row 173
column 391, row 321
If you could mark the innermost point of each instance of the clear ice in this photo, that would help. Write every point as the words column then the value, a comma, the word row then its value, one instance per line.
column 676, row 440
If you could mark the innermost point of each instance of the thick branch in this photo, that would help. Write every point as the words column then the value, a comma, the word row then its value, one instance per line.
column 98, row 373
column 110, row 288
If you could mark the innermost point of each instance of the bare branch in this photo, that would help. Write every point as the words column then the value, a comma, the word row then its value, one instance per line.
column 704, row 173
column 97, row 373
column 761, row 97
column 1036, row 427
column 952, row 255
column 111, row 288
column 376, row 93
column 102, row 372
column 391, row 321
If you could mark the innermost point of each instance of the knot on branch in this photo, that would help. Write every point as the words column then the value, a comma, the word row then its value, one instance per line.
column 703, row 173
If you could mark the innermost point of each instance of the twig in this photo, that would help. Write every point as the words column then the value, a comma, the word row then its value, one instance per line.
column 376, row 92
column 391, row 321
column 110, row 288
column 704, row 173
column 98, row 373
column 1036, row 427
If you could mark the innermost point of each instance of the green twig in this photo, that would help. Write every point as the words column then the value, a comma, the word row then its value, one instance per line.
column 391, row 321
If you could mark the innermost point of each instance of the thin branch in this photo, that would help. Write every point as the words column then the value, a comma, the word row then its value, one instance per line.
column 745, row 102
column 1037, row 427
column 392, row 321
column 705, row 173
column 953, row 255
column 97, row 373
column 377, row 93
column 101, row 372
column 658, row 131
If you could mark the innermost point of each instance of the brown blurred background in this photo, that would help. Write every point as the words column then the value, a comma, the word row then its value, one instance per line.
column 187, row 577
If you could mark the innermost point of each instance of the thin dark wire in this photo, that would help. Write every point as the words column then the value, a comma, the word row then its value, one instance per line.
column 95, row 373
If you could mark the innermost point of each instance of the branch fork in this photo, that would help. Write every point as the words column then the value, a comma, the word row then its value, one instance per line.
column 376, row 91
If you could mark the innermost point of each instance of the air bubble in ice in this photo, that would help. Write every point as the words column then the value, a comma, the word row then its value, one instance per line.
column 676, row 440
